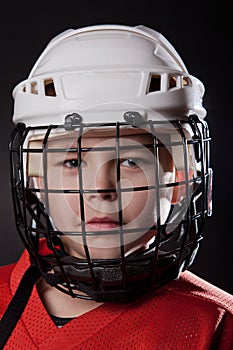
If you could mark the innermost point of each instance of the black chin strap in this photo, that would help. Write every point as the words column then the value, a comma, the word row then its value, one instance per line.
column 17, row 304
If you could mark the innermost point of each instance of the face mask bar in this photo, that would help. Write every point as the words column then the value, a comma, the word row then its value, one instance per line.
column 175, row 239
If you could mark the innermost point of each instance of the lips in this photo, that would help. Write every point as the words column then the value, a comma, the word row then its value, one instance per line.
column 101, row 224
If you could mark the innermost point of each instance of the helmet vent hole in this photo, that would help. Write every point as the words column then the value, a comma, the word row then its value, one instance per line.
column 172, row 82
column 155, row 83
column 186, row 81
column 34, row 88
column 49, row 88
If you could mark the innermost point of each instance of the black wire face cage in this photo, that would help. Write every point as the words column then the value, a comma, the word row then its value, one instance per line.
column 117, row 242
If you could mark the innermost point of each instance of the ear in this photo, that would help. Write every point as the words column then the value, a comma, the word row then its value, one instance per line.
column 179, row 190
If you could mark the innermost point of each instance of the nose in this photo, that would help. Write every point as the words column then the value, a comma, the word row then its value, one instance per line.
column 103, row 183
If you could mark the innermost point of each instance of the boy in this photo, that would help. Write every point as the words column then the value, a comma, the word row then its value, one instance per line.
column 111, row 186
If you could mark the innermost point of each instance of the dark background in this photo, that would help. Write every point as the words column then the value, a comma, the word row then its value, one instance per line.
column 200, row 31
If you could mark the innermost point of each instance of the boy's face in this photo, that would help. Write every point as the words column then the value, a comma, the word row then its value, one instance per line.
column 101, row 209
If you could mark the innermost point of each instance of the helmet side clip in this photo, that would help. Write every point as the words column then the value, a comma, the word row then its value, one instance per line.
column 133, row 118
column 72, row 120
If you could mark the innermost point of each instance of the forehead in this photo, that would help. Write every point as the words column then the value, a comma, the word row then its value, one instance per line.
column 91, row 138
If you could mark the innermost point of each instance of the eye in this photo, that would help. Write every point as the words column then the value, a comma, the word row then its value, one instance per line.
column 131, row 163
column 73, row 163
column 70, row 163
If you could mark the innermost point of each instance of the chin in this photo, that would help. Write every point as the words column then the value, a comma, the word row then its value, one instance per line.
column 105, row 253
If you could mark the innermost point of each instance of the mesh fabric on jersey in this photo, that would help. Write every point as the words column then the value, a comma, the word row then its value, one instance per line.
column 186, row 314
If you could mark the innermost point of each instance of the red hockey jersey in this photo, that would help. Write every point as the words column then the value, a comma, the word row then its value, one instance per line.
column 185, row 314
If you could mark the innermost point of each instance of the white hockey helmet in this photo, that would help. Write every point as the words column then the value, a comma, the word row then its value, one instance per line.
column 107, row 69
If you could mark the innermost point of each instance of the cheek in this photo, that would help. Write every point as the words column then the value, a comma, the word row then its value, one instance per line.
column 64, row 210
column 139, row 202
column 62, row 178
column 140, row 207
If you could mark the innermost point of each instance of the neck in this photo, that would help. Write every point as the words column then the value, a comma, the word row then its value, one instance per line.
column 60, row 304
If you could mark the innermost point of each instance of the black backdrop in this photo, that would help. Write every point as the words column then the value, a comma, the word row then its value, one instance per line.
column 199, row 30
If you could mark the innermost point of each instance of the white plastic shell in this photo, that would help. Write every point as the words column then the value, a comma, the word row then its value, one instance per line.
column 102, row 71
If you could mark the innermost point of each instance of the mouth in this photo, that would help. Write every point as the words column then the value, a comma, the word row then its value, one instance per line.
column 104, row 223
